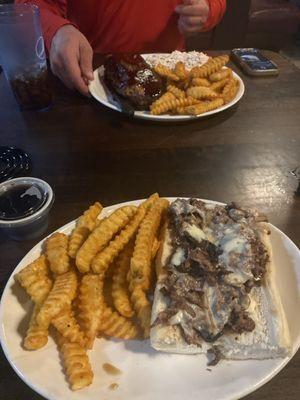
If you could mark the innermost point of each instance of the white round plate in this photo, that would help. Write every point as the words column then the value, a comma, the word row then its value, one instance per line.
column 100, row 92
column 146, row 373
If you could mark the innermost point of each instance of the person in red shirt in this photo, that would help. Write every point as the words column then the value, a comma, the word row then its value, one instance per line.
column 74, row 29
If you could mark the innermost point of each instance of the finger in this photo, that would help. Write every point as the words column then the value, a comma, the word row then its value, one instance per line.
column 189, row 2
column 72, row 74
column 204, row 3
column 184, row 28
column 58, row 70
column 190, row 10
column 65, row 78
column 181, row 27
column 86, row 62
column 193, row 21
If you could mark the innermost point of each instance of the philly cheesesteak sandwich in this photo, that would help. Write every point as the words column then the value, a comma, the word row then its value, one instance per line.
column 215, row 284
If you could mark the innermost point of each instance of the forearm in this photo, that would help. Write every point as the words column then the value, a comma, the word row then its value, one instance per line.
column 53, row 16
column 217, row 9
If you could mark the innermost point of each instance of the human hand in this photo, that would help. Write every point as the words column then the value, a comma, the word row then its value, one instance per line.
column 71, row 58
column 193, row 15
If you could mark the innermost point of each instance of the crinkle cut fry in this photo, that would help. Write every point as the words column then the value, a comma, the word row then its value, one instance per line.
column 35, row 280
column 178, row 93
column 114, row 325
column 85, row 225
column 57, row 253
column 101, row 236
column 172, row 104
column 220, row 75
column 201, row 92
column 219, row 85
column 230, row 90
column 155, row 247
column 78, row 237
column 60, row 296
column 140, row 264
column 40, row 265
column 148, row 203
column 165, row 72
column 90, row 216
column 211, row 66
column 66, row 324
column 36, row 336
column 76, row 363
column 200, row 82
column 142, row 308
column 90, row 306
column 40, row 288
column 203, row 107
column 181, row 71
column 105, row 257
column 165, row 97
column 119, row 288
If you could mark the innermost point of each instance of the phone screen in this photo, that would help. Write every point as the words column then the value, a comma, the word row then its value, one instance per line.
column 255, row 59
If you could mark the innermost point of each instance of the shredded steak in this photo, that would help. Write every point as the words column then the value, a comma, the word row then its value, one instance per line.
column 202, row 299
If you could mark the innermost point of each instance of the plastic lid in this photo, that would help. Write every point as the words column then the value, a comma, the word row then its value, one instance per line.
column 13, row 162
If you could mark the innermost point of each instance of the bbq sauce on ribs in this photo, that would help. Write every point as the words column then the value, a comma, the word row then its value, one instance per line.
column 132, row 78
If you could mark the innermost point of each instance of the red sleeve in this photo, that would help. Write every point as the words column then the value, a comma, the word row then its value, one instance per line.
column 216, row 11
column 53, row 16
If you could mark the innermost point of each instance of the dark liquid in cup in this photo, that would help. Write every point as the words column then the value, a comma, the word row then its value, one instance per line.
column 32, row 92
column 21, row 201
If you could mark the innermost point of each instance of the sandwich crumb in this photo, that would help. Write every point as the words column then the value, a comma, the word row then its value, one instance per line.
column 113, row 386
column 214, row 355
column 111, row 369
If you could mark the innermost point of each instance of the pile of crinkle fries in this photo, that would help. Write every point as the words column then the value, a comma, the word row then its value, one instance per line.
column 67, row 283
column 204, row 88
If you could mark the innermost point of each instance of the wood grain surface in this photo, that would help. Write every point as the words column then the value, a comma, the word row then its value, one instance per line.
column 86, row 152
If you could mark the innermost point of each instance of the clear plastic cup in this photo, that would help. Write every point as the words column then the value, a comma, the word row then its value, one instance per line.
column 24, row 207
column 22, row 55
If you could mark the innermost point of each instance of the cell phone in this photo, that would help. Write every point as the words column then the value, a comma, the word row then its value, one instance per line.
column 253, row 62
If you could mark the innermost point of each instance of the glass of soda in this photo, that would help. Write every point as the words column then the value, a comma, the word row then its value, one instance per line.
column 22, row 55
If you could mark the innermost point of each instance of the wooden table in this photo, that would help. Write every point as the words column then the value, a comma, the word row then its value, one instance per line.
column 87, row 152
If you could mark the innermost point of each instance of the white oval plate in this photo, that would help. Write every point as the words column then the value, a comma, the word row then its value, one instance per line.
column 146, row 373
column 101, row 93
